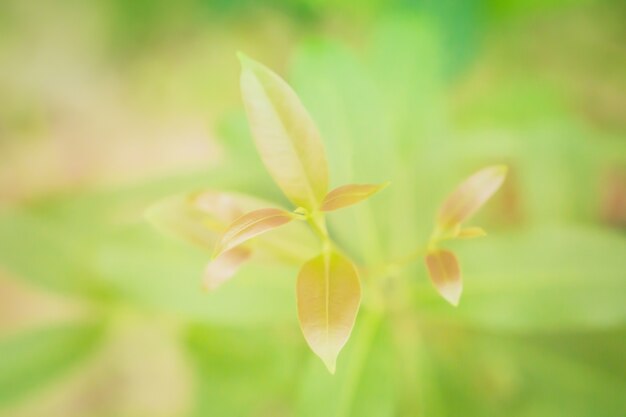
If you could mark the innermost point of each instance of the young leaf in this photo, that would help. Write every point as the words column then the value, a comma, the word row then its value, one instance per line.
column 285, row 135
column 224, row 207
column 224, row 267
column 471, row 233
column 201, row 217
column 470, row 196
column 328, row 296
column 175, row 216
column 250, row 225
column 444, row 272
column 350, row 194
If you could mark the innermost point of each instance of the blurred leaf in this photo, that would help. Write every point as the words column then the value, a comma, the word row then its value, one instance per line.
column 153, row 272
column 178, row 216
column 250, row 225
column 51, row 256
column 405, row 58
column 461, row 27
column 516, row 8
column 202, row 216
column 98, row 245
column 376, row 388
column 406, row 61
column 444, row 272
column 223, row 206
column 556, row 164
column 233, row 132
column 511, row 103
column 522, row 376
column 561, row 175
column 285, row 134
column 224, row 267
column 66, row 230
column 348, row 195
column 342, row 98
column 543, row 279
column 255, row 378
column 30, row 360
column 365, row 382
column 470, row 196
column 329, row 294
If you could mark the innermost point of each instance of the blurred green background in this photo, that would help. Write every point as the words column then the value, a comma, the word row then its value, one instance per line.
column 108, row 106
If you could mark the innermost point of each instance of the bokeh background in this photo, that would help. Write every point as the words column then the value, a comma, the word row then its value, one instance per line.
column 106, row 106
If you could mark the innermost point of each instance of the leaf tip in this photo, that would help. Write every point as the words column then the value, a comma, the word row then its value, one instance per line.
column 223, row 268
column 328, row 295
column 445, row 274
column 502, row 169
column 248, row 63
column 331, row 364
column 243, row 58
column 350, row 194
column 500, row 172
column 471, row 195
column 452, row 294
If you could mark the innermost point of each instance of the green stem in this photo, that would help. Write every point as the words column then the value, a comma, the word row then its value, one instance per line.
column 411, row 257
column 393, row 267
column 318, row 224
column 363, row 342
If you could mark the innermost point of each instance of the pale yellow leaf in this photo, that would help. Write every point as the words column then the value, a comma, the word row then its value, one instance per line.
column 350, row 194
column 445, row 274
column 285, row 135
column 251, row 225
column 224, row 207
column 224, row 267
column 202, row 216
column 470, row 196
column 211, row 212
column 176, row 217
column 328, row 296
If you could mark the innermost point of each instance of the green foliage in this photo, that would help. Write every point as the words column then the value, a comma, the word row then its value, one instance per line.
column 328, row 288
column 254, row 378
column 31, row 360
column 540, row 328
column 545, row 285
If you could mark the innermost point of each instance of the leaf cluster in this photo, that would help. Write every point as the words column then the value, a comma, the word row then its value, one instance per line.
column 328, row 289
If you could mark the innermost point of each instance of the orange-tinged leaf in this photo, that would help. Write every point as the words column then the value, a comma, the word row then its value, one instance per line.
column 471, row 233
column 470, row 196
column 328, row 296
column 224, row 267
column 285, row 135
column 287, row 243
column 251, row 225
column 350, row 194
column 445, row 274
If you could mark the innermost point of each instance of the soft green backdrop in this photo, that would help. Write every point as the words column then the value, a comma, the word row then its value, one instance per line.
column 108, row 106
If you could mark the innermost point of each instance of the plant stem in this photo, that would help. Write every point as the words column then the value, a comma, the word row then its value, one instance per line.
column 393, row 267
column 318, row 224
column 411, row 257
column 363, row 342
